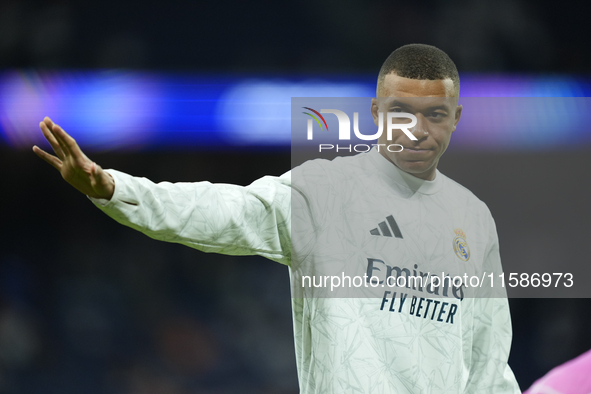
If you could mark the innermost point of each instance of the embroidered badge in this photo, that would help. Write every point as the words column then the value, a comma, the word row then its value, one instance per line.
column 461, row 245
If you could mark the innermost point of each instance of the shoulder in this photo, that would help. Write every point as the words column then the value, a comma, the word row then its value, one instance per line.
column 309, row 178
column 272, row 190
column 330, row 171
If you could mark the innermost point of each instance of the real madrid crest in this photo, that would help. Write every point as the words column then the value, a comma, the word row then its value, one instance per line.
column 461, row 245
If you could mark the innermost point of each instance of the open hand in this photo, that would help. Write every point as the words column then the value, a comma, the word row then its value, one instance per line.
column 76, row 168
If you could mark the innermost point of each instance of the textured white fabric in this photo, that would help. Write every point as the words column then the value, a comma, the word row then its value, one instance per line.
column 322, row 217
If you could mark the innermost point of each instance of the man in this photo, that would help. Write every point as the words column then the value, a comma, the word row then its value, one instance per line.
column 380, row 215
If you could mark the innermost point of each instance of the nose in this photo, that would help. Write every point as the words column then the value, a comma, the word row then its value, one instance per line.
column 419, row 130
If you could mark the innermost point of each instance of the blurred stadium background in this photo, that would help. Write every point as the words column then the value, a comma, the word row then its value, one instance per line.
column 88, row 306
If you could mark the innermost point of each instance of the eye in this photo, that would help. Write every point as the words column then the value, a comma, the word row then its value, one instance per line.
column 395, row 109
column 437, row 115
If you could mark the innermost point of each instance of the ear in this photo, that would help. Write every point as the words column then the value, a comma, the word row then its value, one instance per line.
column 459, row 109
column 374, row 111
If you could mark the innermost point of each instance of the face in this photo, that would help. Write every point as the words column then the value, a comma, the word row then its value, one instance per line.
column 435, row 105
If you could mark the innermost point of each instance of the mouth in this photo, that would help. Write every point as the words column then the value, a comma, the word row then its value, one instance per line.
column 416, row 149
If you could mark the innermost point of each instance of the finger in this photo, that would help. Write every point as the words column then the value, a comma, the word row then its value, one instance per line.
column 61, row 136
column 67, row 143
column 51, row 139
column 54, row 161
column 47, row 120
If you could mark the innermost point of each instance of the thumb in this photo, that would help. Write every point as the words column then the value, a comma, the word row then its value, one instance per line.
column 97, row 177
column 101, row 181
column 93, row 175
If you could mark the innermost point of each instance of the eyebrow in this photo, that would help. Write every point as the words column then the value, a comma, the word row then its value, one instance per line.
column 405, row 106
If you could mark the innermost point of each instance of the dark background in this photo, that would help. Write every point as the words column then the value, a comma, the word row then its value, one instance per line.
column 88, row 306
column 305, row 36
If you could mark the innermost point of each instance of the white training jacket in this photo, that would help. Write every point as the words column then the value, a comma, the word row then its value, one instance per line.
column 346, row 218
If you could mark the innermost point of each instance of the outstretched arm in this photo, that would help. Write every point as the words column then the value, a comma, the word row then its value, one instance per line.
column 220, row 218
column 74, row 166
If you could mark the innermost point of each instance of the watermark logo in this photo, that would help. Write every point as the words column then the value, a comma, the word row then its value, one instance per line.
column 392, row 123
column 316, row 119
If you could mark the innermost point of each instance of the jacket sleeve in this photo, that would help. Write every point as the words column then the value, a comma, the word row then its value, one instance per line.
column 492, row 331
column 489, row 371
column 220, row 218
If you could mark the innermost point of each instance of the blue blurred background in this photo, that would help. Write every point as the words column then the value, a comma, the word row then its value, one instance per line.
column 189, row 91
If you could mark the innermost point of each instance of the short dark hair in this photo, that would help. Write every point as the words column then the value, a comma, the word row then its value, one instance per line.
column 420, row 61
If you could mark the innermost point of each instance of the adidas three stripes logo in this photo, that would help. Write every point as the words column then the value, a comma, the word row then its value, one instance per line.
column 386, row 230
